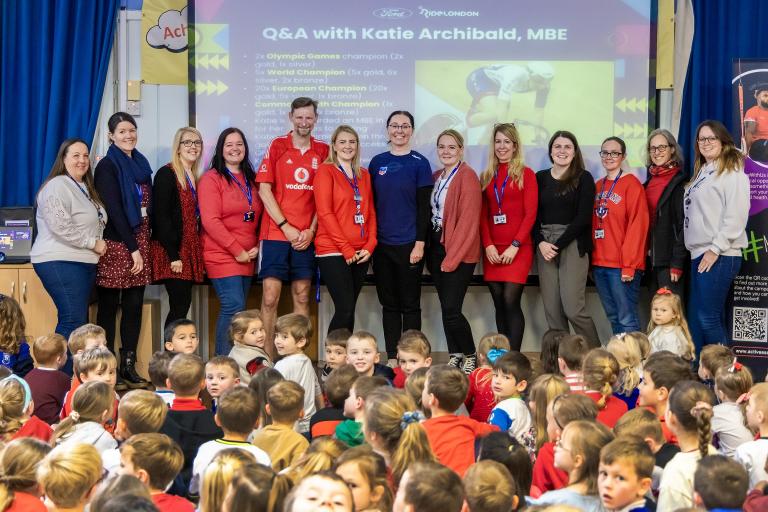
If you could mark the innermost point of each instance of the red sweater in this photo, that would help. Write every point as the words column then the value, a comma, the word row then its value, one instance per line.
column 169, row 503
column 335, row 202
column 461, row 218
column 452, row 439
column 625, row 227
column 225, row 234
column 480, row 400
column 35, row 427
column 546, row 476
column 519, row 205
column 613, row 410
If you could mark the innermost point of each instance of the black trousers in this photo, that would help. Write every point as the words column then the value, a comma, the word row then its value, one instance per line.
column 179, row 299
column 398, row 285
column 451, row 289
column 130, row 301
column 344, row 283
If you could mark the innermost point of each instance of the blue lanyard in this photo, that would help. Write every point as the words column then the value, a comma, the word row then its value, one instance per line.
column 500, row 200
column 247, row 192
column 444, row 183
column 98, row 209
column 602, row 201
column 194, row 194
column 140, row 191
column 357, row 197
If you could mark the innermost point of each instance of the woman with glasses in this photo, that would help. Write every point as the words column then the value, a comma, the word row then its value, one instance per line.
column 563, row 236
column 619, row 230
column 664, row 191
column 510, row 199
column 177, row 259
column 454, row 243
column 716, row 207
column 346, row 225
column 402, row 182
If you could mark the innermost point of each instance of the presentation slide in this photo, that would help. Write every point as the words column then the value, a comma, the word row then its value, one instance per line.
column 544, row 65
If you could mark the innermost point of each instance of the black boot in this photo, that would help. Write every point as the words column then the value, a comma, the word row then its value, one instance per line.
column 128, row 370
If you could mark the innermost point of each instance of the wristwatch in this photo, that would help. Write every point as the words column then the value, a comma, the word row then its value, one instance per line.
column 515, row 243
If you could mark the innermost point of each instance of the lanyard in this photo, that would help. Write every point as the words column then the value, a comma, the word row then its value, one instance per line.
column 356, row 195
column 499, row 199
column 98, row 209
column 194, row 193
column 247, row 192
column 602, row 201
column 444, row 184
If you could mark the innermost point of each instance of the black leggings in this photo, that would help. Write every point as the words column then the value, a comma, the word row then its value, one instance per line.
column 130, row 301
column 179, row 299
column 344, row 283
column 509, row 315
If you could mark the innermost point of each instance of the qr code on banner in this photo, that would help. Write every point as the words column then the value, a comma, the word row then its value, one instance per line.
column 750, row 324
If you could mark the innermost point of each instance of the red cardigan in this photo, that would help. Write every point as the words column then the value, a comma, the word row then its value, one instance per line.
column 461, row 219
column 225, row 234
column 335, row 202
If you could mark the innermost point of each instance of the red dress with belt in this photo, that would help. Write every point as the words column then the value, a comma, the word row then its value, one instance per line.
column 519, row 206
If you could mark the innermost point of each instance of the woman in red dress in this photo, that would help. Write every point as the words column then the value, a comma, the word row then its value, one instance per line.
column 177, row 257
column 510, row 199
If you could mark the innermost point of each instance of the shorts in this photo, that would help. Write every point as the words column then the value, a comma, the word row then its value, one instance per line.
column 479, row 84
column 281, row 261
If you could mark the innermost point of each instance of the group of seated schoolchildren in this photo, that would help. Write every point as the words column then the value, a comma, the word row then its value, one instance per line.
column 628, row 428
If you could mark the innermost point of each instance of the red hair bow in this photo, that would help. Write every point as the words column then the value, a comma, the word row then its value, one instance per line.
column 664, row 291
column 736, row 366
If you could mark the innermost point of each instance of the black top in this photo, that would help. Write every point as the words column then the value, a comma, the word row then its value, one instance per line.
column 167, row 223
column 572, row 208
column 665, row 241
column 189, row 429
column 665, row 454
column 108, row 186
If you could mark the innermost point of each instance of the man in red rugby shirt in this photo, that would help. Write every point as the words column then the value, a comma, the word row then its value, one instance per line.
column 289, row 221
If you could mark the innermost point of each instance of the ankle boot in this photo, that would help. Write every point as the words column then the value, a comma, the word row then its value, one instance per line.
column 128, row 370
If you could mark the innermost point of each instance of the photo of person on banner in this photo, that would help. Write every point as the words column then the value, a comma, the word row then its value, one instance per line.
column 756, row 125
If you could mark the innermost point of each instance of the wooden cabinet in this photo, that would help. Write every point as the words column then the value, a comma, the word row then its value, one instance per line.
column 21, row 283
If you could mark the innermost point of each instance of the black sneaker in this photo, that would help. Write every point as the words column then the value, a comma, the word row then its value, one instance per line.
column 469, row 364
column 455, row 360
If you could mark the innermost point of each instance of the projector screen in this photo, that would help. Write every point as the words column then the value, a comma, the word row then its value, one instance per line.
column 544, row 65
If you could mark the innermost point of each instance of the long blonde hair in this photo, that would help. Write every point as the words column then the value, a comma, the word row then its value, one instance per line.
column 601, row 372
column 333, row 158
column 320, row 456
column 219, row 474
column 176, row 164
column 676, row 304
column 516, row 165
column 12, row 325
column 543, row 391
column 403, row 437
column 626, row 350
column 18, row 467
column 13, row 400
column 89, row 403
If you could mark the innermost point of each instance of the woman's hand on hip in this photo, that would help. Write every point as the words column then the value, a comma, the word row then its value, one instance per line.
column 176, row 266
column 548, row 250
column 138, row 262
column 707, row 261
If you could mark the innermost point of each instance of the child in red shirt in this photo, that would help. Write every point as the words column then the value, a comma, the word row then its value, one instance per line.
column 16, row 420
column 661, row 372
column 480, row 400
column 413, row 352
column 601, row 373
column 451, row 437
column 83, row 338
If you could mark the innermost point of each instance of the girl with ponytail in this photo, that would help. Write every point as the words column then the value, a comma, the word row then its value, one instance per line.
column 392, row 427
column 16, row 407
column 19, row 489
column 320, row 456
column 601, row 374
column 91, row 406
column 689, row 417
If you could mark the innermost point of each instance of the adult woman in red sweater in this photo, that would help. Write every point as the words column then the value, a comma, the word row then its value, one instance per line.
column 229, row 210
column 619, row 230
column 346, row 224
column 454, row 244
column 510, row 200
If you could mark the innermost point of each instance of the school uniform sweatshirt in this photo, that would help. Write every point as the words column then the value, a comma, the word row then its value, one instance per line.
column 625, row 227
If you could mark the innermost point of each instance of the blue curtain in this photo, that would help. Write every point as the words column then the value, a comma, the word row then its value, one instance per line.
column 724, row 30
column 53, row 62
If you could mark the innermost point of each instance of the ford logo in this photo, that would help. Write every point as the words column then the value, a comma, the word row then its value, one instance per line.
column 393, row 13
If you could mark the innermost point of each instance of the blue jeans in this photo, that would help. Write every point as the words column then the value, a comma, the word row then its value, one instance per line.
column 69, row 283
column 232, row 292
column 619, row 298
column 706, row 304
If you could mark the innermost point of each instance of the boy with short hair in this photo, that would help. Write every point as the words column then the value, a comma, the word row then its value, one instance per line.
column 222, row 373
column 429, row 487
column 48, row 384
column 158, row 375
column 413, row 352
column 188, row 422
column 720, row 483
column 292, row 334
column 511, row 373
column 155, row 459
column 180, row 337
column 712, row 358
column 335, row 351
column 451, row 437
column 237, row 414
column 95, row 364
column 324, row 421
column 350, row 431
column 753, row 455
column 83, row 338
column 363, row 353
column 283, row 445
column 624, row 477
column 570, row 355
column 661, row 372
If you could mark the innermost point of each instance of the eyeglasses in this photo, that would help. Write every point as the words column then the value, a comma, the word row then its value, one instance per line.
column 610, row 154
column 559, row 444
column 659, row 149
column 190, row 143
column 404, row 127
column 707, row 140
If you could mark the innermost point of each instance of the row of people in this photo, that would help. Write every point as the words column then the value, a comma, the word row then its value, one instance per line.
column 308, row 202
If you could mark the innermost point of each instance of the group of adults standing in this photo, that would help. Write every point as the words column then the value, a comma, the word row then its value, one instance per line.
column 311, row 205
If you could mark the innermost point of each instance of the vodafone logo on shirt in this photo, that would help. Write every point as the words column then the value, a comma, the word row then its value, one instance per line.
column 301, row 175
